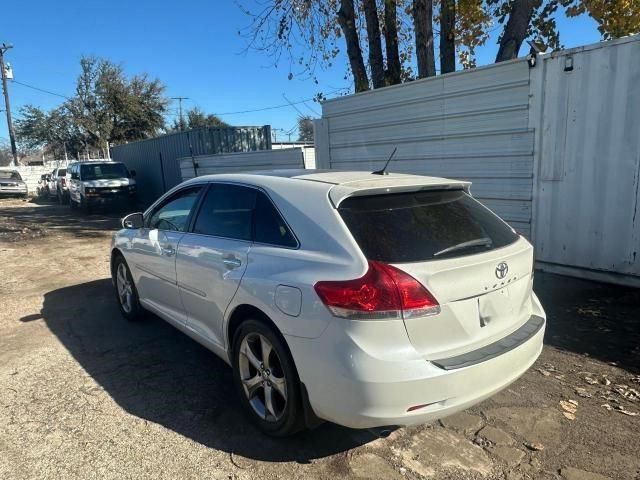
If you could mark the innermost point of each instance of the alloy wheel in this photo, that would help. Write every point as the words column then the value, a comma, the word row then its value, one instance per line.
column 125, row 290
column 262, row 377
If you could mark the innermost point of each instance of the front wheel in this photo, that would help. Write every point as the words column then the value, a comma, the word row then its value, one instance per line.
column 266, row 379
column 125, row 290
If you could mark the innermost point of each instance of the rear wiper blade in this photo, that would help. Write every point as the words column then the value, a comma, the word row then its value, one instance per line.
column 477, row 242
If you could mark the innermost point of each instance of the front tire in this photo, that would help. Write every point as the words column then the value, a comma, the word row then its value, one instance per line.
column 266, row 379
column 84, row 206
column 125, row 290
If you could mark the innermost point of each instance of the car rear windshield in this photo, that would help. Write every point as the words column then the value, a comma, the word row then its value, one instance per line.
column 103, row 170
column 9, row 175
column 421, row 226
column 62, row 172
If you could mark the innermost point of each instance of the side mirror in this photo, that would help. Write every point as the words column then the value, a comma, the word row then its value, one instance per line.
column 133, row 173
column 133, row 221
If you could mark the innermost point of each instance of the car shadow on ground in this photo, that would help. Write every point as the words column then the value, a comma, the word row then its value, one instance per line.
column 155, row 372
column 599, row 320
column 52, row 218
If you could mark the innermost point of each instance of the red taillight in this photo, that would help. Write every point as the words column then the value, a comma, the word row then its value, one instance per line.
column 383, row 292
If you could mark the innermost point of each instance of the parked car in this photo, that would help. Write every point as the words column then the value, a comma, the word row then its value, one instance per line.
column 43, row 185
column 53, row 182
column 362, row 299
column 60, row 185
column 100, row 183
column 11, row 184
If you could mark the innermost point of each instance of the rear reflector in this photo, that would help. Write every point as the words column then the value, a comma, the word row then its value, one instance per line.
column 383, row 292
column 418, row 407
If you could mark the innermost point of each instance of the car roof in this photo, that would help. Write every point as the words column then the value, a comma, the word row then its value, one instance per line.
column 341, row 183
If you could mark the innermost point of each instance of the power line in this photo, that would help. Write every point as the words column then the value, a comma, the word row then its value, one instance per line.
column 41, row 89
column 297, row 102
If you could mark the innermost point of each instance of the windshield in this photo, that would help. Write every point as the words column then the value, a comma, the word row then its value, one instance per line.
column 103, row 171
column 62, row 172
column 420, row 226
column 10, row 175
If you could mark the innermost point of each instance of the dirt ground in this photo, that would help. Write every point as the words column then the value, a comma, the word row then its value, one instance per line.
column 84, row 394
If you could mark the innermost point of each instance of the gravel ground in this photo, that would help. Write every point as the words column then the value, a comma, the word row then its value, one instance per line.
column 84, row 394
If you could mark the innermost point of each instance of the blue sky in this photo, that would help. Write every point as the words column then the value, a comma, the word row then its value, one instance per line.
column 192, row 46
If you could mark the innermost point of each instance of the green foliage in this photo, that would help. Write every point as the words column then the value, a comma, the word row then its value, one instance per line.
column 6, row 157
column 196, row 118
column 305, row 129
column 107, row 107
column 616, row 18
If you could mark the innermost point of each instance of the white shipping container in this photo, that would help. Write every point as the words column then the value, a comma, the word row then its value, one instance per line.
column 553, row 148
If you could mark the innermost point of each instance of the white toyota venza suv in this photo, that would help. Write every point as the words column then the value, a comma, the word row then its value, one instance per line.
column 365, row 300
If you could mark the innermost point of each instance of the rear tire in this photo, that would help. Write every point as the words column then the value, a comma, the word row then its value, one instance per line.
column 125, row 291
column 268, row 386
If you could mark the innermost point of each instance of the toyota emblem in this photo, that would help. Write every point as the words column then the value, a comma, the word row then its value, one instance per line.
column 502, row 269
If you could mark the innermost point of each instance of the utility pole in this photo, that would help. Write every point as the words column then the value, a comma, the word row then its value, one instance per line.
column 12, row 137
column 180, row 99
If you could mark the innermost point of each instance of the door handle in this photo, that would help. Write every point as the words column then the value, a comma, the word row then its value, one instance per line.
column 231, row 262
column 168, row 251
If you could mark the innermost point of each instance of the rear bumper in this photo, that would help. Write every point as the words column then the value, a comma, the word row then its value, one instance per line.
column 361, row 387
column 21, row 190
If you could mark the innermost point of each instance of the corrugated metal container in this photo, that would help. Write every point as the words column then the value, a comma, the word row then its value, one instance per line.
column 587, row 119
column 471, row 125
column 553, row 149
column 241, row 162
column 156, row 160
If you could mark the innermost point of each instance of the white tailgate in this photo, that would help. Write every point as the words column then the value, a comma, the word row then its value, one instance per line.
column 478, row 308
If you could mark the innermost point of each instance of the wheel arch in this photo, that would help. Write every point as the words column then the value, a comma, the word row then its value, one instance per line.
column 115, row 253
column 247, row 311
column 244, row 312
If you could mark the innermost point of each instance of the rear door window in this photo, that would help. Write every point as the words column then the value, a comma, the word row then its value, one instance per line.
column 421, row 226
column 269, row 226
column 227, row 211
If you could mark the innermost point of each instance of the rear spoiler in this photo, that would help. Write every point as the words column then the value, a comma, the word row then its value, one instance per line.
column 338, row 193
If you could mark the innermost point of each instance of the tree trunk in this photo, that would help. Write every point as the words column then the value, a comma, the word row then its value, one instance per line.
column 515, row 31
column 375, row 43
column 347, row 20
column 423, row 25
column 391, row 41
column 447, row 36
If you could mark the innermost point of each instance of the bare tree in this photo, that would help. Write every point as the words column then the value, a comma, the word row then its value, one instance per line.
column 422, row 12
column 347, row 20
column 375, row 42
column 447, row 36
column 394, row 70
column 516, row 29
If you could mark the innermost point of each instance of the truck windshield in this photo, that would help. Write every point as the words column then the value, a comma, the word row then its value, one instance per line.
column 103, row 171
column 9, row 175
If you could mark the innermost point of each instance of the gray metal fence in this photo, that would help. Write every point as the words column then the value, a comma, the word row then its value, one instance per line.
column 156, row 160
